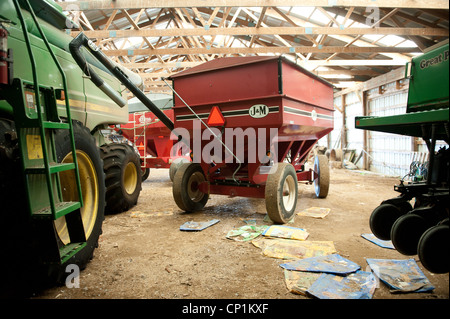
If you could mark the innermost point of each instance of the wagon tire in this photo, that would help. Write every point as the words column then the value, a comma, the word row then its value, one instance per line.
column 186, row 193
column 175, row 166
column 145, row 174
column 322, row 182
column 281, row 193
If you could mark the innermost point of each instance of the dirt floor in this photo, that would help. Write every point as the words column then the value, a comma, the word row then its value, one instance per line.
column 143, row 254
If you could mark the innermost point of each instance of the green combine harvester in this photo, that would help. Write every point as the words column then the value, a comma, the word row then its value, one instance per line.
column 417, row 221
column 59, row 171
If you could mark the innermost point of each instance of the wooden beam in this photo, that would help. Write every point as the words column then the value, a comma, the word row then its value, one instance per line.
column 98, row 34
column 389, row 77
column 160, row 65
column 347, row 72
column 344, row 38
column 312, row 64
column 149, row 75
column 307, row 64
column 262, row 50
column 132, row 4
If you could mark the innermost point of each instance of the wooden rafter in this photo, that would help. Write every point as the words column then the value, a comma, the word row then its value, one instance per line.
column 130, row 4
column 253, row 31
column 176, row 35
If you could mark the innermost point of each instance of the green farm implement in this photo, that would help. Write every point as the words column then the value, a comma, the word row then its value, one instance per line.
column 59, row 174
column 417, row 221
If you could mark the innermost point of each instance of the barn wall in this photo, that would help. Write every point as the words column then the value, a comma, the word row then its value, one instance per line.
column 388, row 154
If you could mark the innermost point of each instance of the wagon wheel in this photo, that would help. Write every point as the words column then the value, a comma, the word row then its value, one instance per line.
column 322, row 182
column 145, row 173
column 185, row 189
column 175, row 165
column 281, row 193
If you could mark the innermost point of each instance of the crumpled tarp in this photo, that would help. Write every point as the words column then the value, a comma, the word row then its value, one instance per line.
column 298, row 282
column 358, row 285
column 400, row 275
column 332, row 264
column 315, row 212
column 287, row 232
column 246, row 232
column 197, row 226
column 382, row 243
column 293, row 249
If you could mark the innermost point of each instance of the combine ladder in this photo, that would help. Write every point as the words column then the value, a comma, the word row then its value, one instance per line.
column 37, row 119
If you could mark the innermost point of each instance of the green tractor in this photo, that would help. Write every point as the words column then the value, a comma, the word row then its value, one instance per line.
column 59, row 172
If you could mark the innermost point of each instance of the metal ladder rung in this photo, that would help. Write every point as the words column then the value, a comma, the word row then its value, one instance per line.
column 53, row 167
column 70, row 250
column 62, row 209
column 56, row 125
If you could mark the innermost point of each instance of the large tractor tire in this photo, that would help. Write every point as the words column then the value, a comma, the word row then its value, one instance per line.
column 27, row 273
column 123, row 177
column 90, row 167
column 15, row 234
column 281, row 193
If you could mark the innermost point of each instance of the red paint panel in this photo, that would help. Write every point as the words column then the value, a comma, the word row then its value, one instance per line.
column 306, row 88
column 232, row 83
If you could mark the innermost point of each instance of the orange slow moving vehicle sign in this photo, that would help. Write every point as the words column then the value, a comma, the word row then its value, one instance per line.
column 216, row 117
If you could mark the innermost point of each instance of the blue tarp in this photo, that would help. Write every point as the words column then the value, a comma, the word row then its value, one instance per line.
column 358, row 285
column 382, row 243
column 332, row 264
column 197, row 226
column 400, row 275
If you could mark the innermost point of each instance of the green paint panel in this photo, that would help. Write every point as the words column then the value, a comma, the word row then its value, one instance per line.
column 429, row 80
column 428, row 99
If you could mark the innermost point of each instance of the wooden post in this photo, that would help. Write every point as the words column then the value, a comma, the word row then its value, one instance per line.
column 344, row 129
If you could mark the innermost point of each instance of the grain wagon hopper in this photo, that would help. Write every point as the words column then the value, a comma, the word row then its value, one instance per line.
column 251, row 123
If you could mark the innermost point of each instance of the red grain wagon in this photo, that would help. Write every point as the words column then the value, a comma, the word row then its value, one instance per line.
column 151, row 136
column 264, row 105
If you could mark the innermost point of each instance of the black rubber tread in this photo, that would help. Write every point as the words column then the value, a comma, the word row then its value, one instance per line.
column 382, row 219
column 145, row 174
column 175, row 165
column 324, row 176
column 180, row 185
column 116, row 157
column 406, row 233
column 433, row 248
column 273, row 193
column 86, row 142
